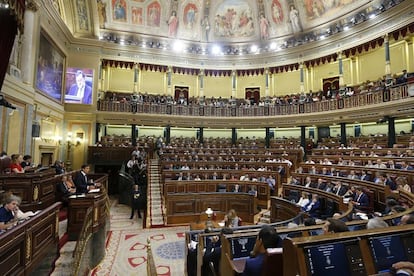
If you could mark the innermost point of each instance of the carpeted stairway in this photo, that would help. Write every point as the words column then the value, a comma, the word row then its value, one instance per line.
column 156, row 203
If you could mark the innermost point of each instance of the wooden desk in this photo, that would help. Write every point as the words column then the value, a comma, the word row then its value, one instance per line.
column 77, row 208
column 202, row 225
column 31, row 244
column 37, row 190
column 187, row 207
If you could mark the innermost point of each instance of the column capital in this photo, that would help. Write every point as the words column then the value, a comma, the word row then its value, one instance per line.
column 32, row 5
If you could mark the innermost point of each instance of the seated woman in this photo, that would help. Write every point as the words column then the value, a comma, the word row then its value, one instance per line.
column 16, row 160
column 231, row 219
column 66, row 188
column 8, row 212
column 303, row 200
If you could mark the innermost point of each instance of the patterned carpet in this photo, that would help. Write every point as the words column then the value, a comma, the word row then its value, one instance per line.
column 127, row 247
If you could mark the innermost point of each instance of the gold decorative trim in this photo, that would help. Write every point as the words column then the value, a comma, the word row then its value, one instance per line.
column 36, row 193
column 32, row 5
column 28, row 247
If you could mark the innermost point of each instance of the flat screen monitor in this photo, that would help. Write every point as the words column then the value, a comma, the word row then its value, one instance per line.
column 387, row 250
column 79, row 85
column 342, row 258
column 242, row 246
column 316, row 232
column 357, row 227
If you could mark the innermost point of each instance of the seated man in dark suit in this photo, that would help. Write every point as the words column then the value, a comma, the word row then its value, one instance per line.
column 267, row 238
column 83, row 185
column 312, row 208
column 361, row 199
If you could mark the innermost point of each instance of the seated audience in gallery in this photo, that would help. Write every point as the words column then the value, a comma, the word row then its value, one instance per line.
column 16, row 160
column 267, row 238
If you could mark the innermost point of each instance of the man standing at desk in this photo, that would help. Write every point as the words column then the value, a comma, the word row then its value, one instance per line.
column 83, row 185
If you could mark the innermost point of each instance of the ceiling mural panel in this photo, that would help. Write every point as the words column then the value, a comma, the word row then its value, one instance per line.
column 224, row 20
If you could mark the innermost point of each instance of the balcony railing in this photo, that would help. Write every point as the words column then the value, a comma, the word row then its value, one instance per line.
column 360, row 100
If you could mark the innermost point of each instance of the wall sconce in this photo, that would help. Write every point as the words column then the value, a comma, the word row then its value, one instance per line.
column 58, row 140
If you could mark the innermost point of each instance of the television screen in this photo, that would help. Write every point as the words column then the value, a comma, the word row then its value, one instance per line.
column 387, row 250
column 316, row 232
column 242, row 246
column 337, row 258
column 79, row 85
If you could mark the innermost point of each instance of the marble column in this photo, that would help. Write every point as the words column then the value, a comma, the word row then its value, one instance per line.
column 28, row 56
column 303, row 136
column 201, row 134
column 341, row 71
column 233, row 136
column 302, row 78
column 391, row 132
column 343, row 133
column 387, row 57
column 233, row 83
column 167, row 134
column 134, row 134
column 267, row 138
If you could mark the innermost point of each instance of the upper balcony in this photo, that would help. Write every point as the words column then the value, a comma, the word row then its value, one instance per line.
column 368, row 106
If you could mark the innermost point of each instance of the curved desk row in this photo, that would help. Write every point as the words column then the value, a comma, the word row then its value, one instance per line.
column 31, row 245
column 190, row 207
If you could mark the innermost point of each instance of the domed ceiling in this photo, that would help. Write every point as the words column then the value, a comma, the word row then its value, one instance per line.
column 227, row 20
column 237, row 26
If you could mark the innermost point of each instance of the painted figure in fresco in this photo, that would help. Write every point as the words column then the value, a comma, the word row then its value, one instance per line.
column 173, row 24
column 264, row 27
column 191, row 17
column 154, row 15
column 82, row 15
column 101, row 13
column 206, row 27
column 136, row 15
column 120, row 10
column 294, row 20
column 277, row 12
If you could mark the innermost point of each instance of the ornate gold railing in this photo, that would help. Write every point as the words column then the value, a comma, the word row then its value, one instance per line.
column 151, row 268
column 360, row 100
column 81, row 245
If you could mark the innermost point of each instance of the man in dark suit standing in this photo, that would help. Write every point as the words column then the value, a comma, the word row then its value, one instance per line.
column 81, row 89
column 81, row 180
